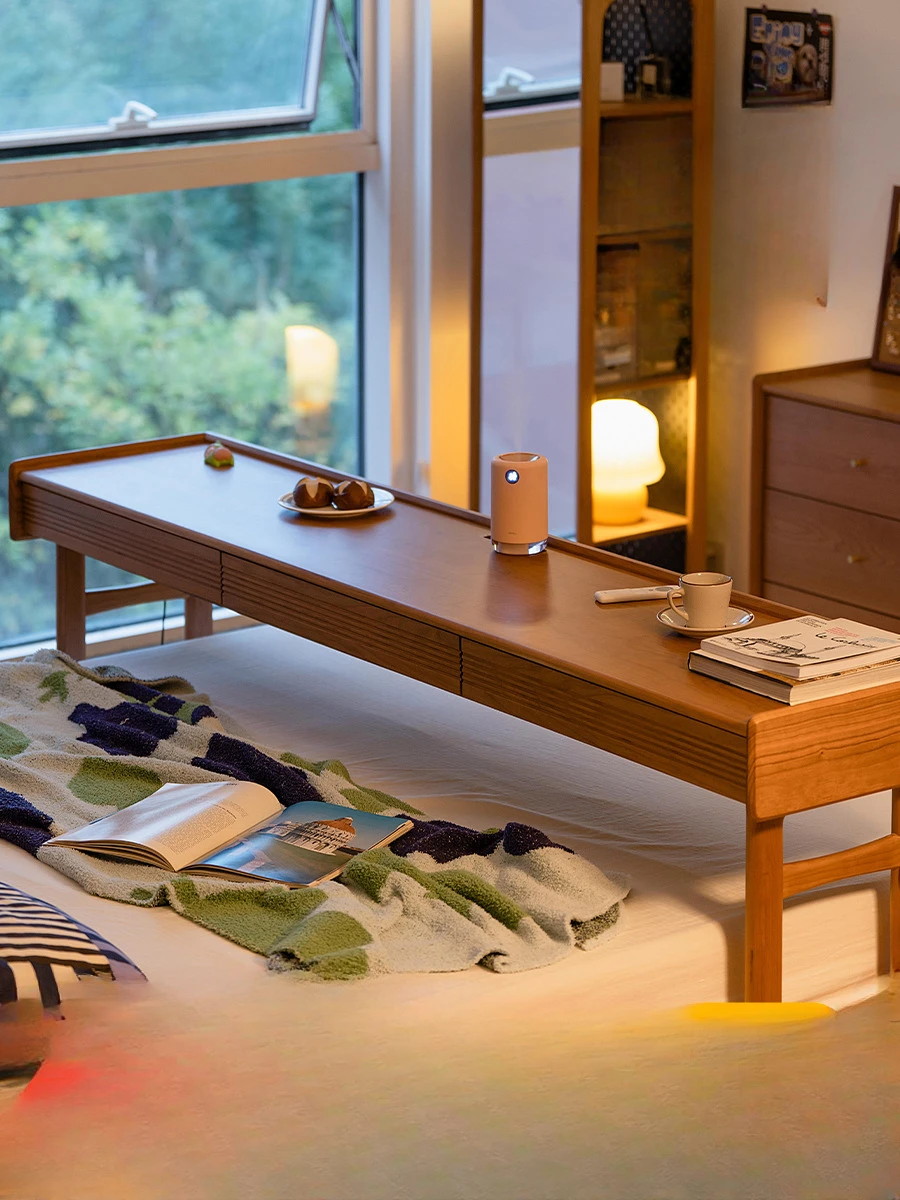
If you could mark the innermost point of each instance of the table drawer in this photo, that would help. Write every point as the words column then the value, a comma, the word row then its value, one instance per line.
column 831, row 551
column 356, row 627
column 642, row 732
column 811, row 451
column 183, row 564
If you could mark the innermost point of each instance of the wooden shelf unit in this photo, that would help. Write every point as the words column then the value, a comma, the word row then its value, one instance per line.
column 646, row 181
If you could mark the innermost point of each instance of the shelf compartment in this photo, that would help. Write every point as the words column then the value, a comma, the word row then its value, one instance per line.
column 645, row 175
column 643, row 313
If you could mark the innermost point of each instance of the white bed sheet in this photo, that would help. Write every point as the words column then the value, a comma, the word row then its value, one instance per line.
column 682, row 847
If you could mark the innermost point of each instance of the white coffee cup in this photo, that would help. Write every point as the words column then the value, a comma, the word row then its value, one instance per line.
column 705, row 596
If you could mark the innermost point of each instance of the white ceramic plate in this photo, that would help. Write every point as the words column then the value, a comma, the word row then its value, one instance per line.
column 382, row 499
column 738, row 618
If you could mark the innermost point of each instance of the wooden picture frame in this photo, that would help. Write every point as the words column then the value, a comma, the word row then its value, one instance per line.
column 886, row 353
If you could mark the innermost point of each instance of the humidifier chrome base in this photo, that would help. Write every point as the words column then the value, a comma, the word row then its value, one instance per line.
column 519, row 547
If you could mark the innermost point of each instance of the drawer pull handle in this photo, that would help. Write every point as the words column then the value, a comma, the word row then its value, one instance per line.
column 854, row 558
column 858, row 462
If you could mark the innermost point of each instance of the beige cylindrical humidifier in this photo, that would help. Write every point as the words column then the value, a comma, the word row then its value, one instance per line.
column 519, row 521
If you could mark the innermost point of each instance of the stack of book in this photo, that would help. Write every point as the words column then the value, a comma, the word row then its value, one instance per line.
column 805, row 658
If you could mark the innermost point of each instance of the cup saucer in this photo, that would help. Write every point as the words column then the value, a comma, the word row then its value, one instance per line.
column 738, row 618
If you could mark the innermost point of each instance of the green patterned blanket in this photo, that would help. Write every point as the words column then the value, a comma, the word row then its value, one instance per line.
column 76, row 744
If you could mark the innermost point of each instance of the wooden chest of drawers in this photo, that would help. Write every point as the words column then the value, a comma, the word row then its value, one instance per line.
column 825, row 522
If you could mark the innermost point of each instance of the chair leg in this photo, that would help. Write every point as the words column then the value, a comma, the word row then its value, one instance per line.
column 763, row 909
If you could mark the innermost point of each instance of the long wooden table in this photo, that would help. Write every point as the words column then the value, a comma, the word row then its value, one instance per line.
column 416, row 588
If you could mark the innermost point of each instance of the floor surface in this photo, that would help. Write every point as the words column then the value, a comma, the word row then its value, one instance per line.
column 142, row 1101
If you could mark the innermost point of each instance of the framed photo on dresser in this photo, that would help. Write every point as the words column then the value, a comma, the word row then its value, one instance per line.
column 886, row 355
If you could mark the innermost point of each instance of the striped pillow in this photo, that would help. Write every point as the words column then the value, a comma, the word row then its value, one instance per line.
column 44, row 952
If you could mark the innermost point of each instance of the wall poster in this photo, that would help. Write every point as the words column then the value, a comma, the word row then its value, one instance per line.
column 788, row 57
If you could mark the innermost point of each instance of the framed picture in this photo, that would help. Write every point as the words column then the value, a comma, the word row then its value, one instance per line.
column 788, row 57
column 886, row 355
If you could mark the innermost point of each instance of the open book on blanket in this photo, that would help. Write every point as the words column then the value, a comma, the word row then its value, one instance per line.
column 236, row 831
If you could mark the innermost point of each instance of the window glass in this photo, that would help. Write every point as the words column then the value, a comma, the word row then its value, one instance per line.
column 529, row 382
column 136, row 316
column 532, row 50
column 119, row 69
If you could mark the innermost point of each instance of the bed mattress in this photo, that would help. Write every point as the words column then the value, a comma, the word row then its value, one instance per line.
column 681, row 847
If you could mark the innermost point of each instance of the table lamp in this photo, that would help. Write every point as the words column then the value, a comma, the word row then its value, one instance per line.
column 624, row 459
column 311, row 355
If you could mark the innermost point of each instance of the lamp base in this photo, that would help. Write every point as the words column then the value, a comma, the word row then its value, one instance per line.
column 624, row 506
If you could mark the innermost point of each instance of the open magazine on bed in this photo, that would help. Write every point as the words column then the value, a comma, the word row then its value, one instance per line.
column 236, row 831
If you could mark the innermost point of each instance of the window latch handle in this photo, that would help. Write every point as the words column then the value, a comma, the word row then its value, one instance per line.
column 134, row 116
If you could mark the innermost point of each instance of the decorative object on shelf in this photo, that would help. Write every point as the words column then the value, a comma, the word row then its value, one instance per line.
column 788, row 57
column 886, row 355
column 612, row 82
column 217, row 455
column 625, row 457
column 653, row 71
column 519, row 503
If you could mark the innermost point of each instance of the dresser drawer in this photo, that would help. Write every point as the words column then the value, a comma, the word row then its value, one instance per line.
column 821, row 606
column 832, row 455
column 829, row 551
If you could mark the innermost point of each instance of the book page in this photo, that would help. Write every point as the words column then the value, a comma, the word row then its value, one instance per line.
column 307, row 842
column 183, row 821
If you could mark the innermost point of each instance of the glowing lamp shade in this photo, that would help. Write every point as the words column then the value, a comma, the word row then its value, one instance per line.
column 624, row 459
column 311, row 355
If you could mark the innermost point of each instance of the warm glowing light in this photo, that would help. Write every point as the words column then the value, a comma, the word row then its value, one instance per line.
column 312, row 367
column 624, row 459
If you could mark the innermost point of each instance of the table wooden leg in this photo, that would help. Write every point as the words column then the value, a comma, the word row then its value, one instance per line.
column 198, row 619
column 763, row 908
column 894, row 923
column 70, row 602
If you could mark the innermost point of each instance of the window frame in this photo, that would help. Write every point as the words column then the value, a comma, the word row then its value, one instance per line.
column 250, row 159
column 139, row 125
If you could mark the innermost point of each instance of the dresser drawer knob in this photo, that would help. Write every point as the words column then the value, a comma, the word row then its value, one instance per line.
column 858, row 462
column 854, row 558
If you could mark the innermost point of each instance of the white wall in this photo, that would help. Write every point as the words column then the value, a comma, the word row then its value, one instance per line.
column 801, row 207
